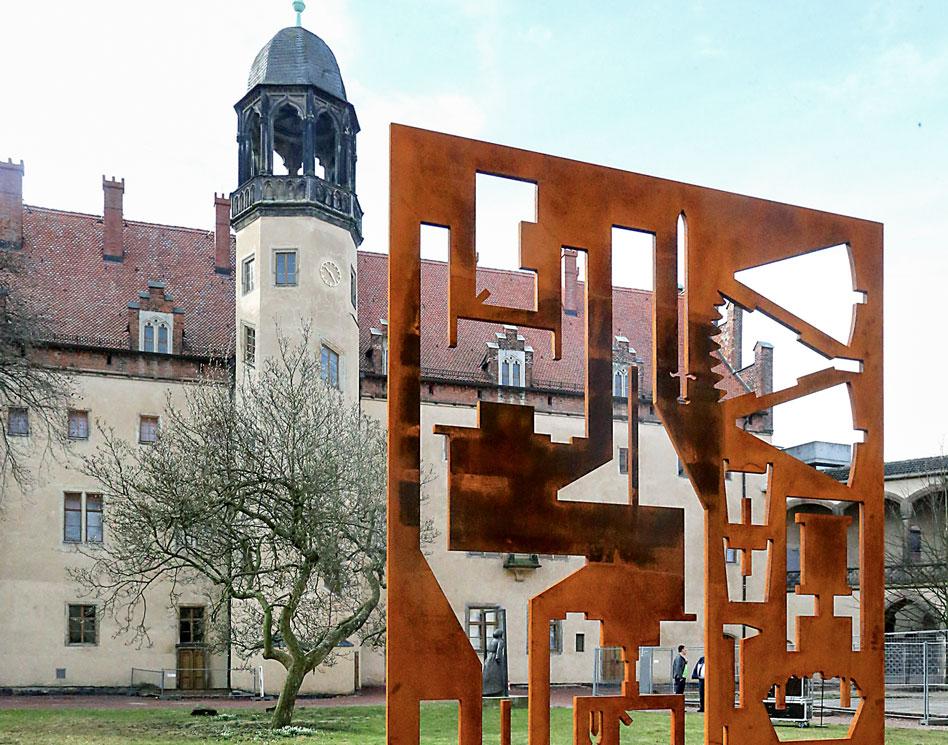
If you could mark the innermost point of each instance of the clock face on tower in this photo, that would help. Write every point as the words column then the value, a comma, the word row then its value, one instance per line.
column 330, row 273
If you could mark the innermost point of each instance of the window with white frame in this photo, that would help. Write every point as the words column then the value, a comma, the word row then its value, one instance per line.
column 247, row 280
column 82, row 517
column 620, row 383
column 511, row 367
column 155, row 331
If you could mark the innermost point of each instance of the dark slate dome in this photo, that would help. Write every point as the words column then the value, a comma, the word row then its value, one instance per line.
column 296, row 56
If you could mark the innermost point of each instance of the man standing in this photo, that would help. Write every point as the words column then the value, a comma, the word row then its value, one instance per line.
column 680, row 670
column 698, row 675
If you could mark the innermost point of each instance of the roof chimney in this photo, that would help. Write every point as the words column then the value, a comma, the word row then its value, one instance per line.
column 570, row 282
column 113, row 244
column 221, row 234
column 11, row 204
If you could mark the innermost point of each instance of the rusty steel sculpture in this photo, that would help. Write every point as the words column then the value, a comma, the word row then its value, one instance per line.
column 633, row 577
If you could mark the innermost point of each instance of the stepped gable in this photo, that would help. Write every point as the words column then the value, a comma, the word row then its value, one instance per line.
column 88, row 298
column 631, row 319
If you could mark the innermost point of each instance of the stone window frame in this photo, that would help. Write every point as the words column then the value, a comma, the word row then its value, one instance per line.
column 622, row 461
column 277, row 252
column 82, row 498
column 556, row 636
column 248, row 279
column 482, row 625
column 79, row 415
column 193, row 623
column 329, row 351
column 21, row 416
column 620, row 382
column 156, row 322
column 82, row 618
column 353, row 287
column 516, row 361
column 248, row 343
column 142, row 419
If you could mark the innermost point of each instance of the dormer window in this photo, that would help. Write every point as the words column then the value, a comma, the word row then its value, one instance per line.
column 512, row 365
column 155, row 331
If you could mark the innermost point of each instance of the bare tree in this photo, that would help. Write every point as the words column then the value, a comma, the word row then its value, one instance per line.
column 25, row 382
column 271, row 498
column 917, row 558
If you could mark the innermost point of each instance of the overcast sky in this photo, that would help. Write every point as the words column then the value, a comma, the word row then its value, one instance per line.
column 838, row 106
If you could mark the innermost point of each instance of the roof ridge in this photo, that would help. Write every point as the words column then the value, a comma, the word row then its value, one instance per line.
column 36, row 207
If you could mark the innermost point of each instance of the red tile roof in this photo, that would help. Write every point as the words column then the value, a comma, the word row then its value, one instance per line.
column 84, row 295
column 632, row 312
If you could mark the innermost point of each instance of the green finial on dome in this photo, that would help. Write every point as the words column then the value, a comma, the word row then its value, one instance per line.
column 299, row 6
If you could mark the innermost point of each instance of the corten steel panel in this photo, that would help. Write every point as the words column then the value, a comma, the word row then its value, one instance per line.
column 634, row 574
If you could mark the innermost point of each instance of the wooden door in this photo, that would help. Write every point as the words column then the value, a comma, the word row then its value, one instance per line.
column 191, row 669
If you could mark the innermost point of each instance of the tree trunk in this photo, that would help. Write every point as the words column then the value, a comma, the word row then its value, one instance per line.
column 283, row 713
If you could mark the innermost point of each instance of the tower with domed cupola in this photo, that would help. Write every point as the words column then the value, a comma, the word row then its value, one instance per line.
column 295, row 210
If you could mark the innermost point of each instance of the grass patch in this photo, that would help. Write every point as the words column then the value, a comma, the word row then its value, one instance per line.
column 360, row 725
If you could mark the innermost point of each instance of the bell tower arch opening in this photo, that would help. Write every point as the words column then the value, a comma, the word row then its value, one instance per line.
column 287, row 140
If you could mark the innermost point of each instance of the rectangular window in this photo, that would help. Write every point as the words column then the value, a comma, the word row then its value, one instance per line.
column 580, row 642
column 147, row 429
column 191, row 625
column 353, row 289
column 82, row 627
column 623, row 460
column 730, row 555
column 72, row 517
column 94, row 518
column 250, row 346
column 556, row 637
column 329, row 366
column 246, row 275
column 18, row 421
column 78, row 422
column 482, row 622
column 285, row 268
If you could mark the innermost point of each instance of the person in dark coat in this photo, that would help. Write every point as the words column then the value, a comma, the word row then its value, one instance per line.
column 698, row 674
column 680, row 670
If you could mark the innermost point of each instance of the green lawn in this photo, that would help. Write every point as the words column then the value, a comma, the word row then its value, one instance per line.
column 331, row 726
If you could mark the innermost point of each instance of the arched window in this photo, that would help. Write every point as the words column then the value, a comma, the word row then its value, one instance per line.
column 288, row 140
column 516, row 373
column 324, row 137
column 620, row 383
column 505, row 373
column 155, row 332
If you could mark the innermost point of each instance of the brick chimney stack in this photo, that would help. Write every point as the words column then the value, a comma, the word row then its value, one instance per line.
column 113, row 222
column 221, row 234
column 570, row 282
column 11, row 205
